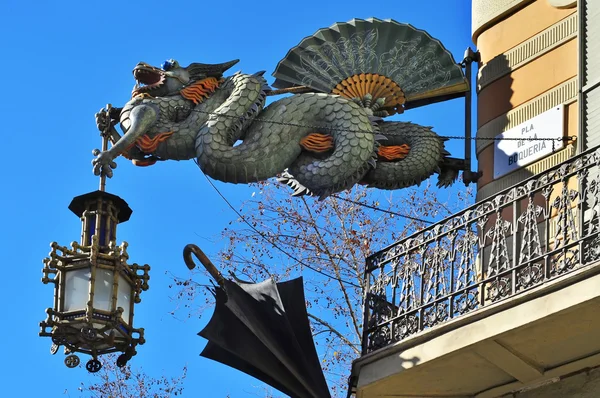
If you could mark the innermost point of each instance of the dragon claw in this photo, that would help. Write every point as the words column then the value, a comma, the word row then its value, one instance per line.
column 102, row 120
column 104, row 164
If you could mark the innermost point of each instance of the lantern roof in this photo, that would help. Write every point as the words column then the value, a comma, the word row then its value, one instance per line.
column 77, row 205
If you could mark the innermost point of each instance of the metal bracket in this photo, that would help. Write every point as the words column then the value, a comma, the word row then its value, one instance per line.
column 470, row 57
column 471, row 176
column 468, row 176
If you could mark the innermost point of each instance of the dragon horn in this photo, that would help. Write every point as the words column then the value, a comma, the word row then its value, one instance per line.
column 210, row 70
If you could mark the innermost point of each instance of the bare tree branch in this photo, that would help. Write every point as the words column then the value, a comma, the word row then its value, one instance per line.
column 334, row 331
column 336, row 270
column 332, row 236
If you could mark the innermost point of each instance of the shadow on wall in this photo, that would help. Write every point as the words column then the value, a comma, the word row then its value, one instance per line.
column 414, row 361
column 494, row 101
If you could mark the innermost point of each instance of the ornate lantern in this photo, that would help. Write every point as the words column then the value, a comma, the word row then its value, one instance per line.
column 95, row 289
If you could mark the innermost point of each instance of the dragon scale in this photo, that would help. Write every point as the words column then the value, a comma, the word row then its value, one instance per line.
column 271, row 142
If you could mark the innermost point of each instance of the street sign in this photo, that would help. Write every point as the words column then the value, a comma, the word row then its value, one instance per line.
column 524, row 146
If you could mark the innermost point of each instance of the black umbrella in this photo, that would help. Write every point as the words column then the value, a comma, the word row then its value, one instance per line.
column 262, row 329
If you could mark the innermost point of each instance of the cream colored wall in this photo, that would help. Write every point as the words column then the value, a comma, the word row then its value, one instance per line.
column 527, row 82
column 488, row 12
column 532, row 18
column 485, row 12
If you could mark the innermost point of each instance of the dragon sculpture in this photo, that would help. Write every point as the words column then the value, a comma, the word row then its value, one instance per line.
column 325, row 138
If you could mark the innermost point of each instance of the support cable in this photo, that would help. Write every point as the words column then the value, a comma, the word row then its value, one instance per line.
column 331, row 129
column 276, row 246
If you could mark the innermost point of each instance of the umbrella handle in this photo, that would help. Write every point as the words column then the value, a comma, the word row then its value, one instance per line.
column 210, row 267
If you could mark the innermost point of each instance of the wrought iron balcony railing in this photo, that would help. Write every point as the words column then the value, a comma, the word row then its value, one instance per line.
column 525, row 236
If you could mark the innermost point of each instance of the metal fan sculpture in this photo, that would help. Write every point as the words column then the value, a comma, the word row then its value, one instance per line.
column 386, row 67
column 374, row 59
column 262, row 329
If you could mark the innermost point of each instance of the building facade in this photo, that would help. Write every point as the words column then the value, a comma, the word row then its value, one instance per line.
column 528, row 67
column 503, row 298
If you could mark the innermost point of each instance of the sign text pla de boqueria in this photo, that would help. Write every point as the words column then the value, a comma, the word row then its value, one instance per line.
column 524, row 145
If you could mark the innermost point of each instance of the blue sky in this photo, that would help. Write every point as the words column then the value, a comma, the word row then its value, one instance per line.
column 62, row 62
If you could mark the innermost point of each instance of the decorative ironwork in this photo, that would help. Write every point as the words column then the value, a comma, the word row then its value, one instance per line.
column 93, row 365
column 405, row 327
column 499, row 260
column 531, row 246
column 72, row 361
column 527, row 235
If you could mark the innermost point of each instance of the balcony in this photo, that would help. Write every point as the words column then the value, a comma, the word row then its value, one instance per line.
column 501, row 297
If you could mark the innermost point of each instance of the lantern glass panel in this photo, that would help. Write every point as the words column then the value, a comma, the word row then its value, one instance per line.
column 91, row 230
column 77, row 289
column 124, row 299
column 103, row 289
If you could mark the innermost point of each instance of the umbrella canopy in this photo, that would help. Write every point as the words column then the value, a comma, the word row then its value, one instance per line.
column 262, row 329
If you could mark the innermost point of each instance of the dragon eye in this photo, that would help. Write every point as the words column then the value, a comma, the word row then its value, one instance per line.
column 169, row 64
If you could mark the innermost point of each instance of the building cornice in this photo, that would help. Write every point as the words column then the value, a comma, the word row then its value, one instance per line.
column 543, row 42
column 486, row 12
column 563, row 3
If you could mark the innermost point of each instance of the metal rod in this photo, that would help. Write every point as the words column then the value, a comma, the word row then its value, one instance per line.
column 581, row 103
column 470, row 57
column 468, row 116
column 291, row 90
column 366, row 313
column 516, row 210
column 581, row 68
column 210, row 267
column 105, row 134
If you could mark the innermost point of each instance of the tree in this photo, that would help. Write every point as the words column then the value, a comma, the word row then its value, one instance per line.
column 127, row 382
column 278, row 236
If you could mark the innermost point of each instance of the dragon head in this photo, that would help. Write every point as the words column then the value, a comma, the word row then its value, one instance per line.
column 170, row 78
